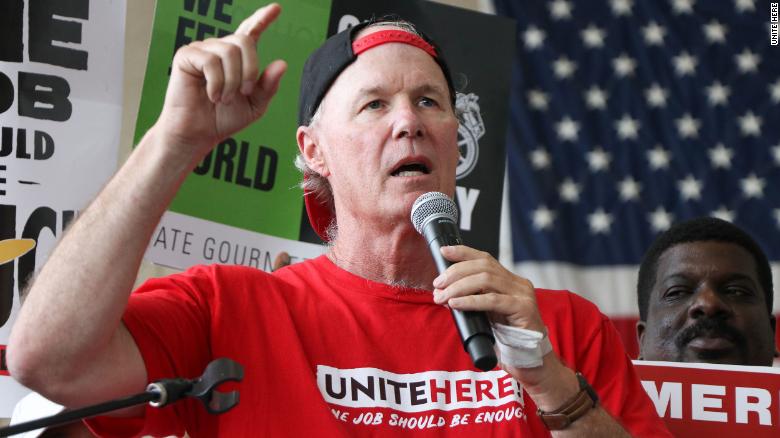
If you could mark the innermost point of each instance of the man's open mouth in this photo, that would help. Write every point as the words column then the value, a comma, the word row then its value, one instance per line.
column 411, row 169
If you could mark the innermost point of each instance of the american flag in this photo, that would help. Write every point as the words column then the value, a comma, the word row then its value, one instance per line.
column 630, row 115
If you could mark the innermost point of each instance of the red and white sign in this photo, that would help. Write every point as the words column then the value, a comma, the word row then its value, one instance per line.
column 727, row 400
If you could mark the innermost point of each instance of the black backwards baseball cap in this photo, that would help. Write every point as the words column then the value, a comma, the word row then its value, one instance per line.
column 322, row 68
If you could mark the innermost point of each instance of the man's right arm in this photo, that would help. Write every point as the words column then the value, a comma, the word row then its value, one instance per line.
column 68, row 341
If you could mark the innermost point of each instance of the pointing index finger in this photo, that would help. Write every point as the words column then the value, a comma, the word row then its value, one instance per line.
column 256, row 23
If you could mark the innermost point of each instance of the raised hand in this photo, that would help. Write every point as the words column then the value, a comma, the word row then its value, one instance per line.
column 216, row 88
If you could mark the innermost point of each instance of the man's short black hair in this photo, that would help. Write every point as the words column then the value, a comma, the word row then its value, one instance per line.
column 699, row 230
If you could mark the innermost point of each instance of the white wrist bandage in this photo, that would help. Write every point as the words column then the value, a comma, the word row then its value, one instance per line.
column 520, row 348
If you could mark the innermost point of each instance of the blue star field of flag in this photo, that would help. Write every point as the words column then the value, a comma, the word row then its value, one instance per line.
column 630, row 115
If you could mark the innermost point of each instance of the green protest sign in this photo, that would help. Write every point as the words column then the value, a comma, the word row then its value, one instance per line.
column 249, row 180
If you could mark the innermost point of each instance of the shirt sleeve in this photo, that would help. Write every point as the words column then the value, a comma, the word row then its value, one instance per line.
column 169, row 320
column 605, row 364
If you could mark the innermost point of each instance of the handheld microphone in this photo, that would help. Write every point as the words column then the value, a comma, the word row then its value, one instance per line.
column 435, row 217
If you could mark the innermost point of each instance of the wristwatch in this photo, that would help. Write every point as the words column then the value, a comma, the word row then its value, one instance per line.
column 574, row 408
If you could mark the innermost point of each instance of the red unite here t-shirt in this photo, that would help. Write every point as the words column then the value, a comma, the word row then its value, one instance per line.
column 329, row 354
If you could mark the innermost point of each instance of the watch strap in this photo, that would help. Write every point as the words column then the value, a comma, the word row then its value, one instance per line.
column 574, row 408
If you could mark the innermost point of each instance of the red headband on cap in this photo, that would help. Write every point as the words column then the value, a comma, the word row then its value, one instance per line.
column 391, row 36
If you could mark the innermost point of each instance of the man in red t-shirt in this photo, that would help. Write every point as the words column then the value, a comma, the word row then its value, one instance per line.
column 354, row 342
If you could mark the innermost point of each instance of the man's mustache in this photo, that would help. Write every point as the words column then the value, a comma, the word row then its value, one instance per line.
column 709, row 327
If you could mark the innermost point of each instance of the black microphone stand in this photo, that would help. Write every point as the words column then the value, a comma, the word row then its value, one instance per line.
column 158, row 394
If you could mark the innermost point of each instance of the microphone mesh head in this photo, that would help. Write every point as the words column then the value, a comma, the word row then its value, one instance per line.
column 432, row 205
